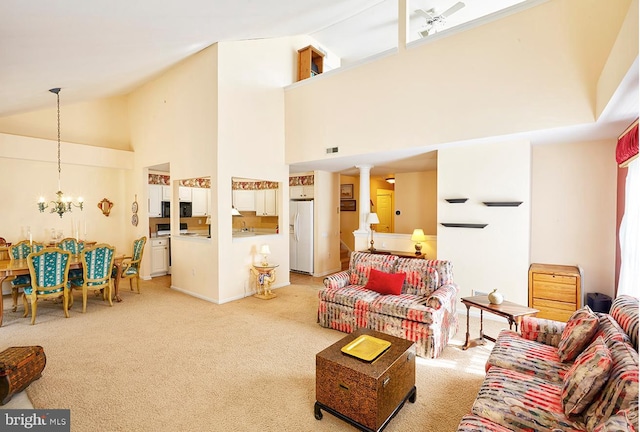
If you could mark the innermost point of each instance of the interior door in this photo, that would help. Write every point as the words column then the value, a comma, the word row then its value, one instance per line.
column 384, row 209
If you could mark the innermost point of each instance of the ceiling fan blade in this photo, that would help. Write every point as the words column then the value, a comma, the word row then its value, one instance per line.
column 453, row 9
column 428, row 14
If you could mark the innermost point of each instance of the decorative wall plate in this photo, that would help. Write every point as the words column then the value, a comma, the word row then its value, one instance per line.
column 134, row 206
column 134, row 219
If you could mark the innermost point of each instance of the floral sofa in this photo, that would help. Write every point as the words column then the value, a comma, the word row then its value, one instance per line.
column 576, row 376
column 422, row 310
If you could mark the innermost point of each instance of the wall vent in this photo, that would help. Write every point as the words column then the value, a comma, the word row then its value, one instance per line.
column 332, row 150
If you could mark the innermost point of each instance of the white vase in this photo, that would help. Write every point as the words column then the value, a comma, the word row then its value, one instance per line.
column 495, row 297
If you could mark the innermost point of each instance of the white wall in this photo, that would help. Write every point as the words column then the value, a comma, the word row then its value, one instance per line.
column 574, row 210
column 173, row 119
column 504, row 77
column 251, row 77
column 29, row 170
column 498, row 255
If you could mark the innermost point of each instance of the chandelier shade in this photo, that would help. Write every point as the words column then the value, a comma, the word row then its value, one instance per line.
column 62, row 204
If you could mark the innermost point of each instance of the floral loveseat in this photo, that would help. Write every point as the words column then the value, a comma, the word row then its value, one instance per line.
column 534, row 383
column 423, row 310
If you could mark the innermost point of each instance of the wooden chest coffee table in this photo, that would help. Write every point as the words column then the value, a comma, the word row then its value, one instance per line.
column 365, row 394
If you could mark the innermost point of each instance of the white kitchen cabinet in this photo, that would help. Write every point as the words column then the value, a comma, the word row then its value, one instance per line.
column 166, row 193
column 266, row 202
column 301, row 192
column 244, row 200
column 184, row 194
column 155, row 200
column 200, row 200
column 159, row 256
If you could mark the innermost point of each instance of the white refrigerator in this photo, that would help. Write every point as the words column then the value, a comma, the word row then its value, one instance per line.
column 301, row 236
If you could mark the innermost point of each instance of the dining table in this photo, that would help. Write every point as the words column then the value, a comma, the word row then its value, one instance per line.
column 18, row 267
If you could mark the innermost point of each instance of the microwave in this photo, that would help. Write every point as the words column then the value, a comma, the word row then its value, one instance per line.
column 185, row 209
column 166, row 209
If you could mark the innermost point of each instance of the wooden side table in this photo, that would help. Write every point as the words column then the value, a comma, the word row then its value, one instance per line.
column 401, row 254
column 265, row 276
column 513, row 312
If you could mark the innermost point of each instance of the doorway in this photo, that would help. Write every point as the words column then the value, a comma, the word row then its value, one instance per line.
column 384, row 207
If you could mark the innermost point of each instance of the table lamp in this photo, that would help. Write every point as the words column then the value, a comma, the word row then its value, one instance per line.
column 264, row 251
column 372, row 219
column 418, row 236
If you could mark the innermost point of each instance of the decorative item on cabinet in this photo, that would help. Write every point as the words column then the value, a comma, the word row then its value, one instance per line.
column 310, row 62
column 495, row 297
column 555, row 290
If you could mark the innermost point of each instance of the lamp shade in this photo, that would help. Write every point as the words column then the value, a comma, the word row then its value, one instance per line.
column 372, row 218
column 264, row 249
column 418, row 235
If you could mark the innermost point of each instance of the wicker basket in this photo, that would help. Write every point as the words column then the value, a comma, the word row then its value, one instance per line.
column 19, row 367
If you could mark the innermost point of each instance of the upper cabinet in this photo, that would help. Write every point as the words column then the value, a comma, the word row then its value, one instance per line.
column 184, row 194
column 244, row 200
column 155, row 200
column 200, row 200
column 166, row 193
column 301, row 192
column 310, row 62
column 266, row 202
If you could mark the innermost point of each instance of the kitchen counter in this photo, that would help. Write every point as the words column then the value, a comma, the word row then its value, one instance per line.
column 254, row 233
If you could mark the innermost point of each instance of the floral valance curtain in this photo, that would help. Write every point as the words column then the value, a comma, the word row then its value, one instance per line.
column 627, row 148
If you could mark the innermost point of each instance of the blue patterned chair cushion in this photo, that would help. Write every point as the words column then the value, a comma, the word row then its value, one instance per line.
column 99, row 262
column 50, row 269
column 20, row 250
column 586, row 377
column 522, row 403
column 21, row 280
column 130, row 271
column 29, row 290
column 514, row 352
column 621, row 390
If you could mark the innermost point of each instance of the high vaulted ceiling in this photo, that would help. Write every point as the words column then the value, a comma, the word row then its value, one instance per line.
column 100, row 48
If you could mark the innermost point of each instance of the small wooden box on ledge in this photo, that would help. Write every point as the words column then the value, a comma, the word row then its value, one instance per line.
column 309, row 62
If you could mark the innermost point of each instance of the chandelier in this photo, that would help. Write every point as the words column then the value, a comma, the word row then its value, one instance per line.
column 62, row 204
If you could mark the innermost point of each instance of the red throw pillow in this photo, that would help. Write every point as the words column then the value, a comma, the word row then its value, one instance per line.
column 385, row 283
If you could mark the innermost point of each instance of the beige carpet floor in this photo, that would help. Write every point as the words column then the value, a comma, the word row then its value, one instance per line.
column 165, row 361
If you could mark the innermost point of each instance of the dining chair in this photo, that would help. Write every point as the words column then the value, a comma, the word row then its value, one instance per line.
column 17, row 251
column 131, row 265
column 72, row 245
column 97, row 265
column 49, row 271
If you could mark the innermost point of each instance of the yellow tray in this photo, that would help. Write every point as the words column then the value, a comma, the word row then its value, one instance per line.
column 366, row 347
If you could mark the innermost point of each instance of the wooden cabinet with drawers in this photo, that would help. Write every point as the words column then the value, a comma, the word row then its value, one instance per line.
column 555, row 290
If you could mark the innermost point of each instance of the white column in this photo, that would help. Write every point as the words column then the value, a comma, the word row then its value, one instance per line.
column 403, row 25
column 365, row 196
